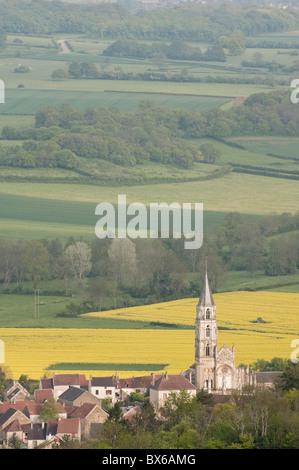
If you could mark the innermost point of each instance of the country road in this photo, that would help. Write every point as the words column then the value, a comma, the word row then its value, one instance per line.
column 63, row 46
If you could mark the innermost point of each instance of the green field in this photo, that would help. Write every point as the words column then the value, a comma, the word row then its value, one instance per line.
column 40, row 217
column 18, row 311
column 28, row 102
column 64, row 206
column 285, row 146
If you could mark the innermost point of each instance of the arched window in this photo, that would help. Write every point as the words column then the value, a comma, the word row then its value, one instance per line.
column 208, row 331
column 208, row 314
column 207, row 350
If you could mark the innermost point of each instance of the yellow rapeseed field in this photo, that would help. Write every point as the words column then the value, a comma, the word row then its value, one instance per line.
column 30, row 351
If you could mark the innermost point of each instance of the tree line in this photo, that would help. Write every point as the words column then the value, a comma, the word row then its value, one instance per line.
column 112, row 21
column 125, row 139
column 113, row 273
column 62, row 136
column 107, row 71
column 176, row 50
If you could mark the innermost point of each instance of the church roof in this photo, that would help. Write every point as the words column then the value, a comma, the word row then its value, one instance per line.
column 206, row 298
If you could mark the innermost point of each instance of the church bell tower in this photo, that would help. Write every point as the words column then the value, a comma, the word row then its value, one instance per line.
column 205, row 339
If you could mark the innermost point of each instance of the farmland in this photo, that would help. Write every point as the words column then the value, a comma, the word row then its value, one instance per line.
column 237, row 313
column 58, row 203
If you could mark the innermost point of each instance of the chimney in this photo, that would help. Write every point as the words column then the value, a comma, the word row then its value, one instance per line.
column 166, row 375
column 153, row 378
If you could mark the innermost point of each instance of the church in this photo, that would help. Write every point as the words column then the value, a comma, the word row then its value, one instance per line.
column 214, row 369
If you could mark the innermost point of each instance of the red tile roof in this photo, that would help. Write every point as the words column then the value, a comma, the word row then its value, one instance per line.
column 43, row 394
column 19, row 405
column 81, row 411
column 66, row 379
column 33, row 408
column 68, row 426
column 130, row 414
column 173, row 382
column 46, row 383
column 83, row 382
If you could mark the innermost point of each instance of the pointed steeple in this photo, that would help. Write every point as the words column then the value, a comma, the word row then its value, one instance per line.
column 206, row 298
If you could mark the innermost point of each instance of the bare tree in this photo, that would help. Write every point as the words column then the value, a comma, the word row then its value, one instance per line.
column 122, row 255
column 79, row 255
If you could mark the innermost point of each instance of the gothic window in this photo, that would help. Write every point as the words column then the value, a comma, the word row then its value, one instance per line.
column 207, row 350
column 208, row 314
column 208, row 331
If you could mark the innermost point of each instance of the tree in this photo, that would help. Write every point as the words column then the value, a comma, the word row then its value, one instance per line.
column 234, row 42
column 250, row 250
column 178, row 406
column 122, row 255
column 2, row 36
column 59, row 74
column 115, row 413
column 289, row 378
column 282, row 256
column 216, row 268
column 148, row 419
column 62, row 269
column 22, row 69
column 159, row 59
column 99, row 290
column 36, row 261
column 14, row 442
column 181, row 436
column 50, row 410
column 210, row 153
column 3, row 381
column 79, row 256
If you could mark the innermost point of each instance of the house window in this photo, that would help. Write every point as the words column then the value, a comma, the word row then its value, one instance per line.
column 108, row 392
column 208, row 331
column 164, row 396
column 208, row 314
column 207, row 350
column 97, row 392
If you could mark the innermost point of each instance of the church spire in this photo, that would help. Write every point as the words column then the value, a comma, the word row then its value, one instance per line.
column 206, row 298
